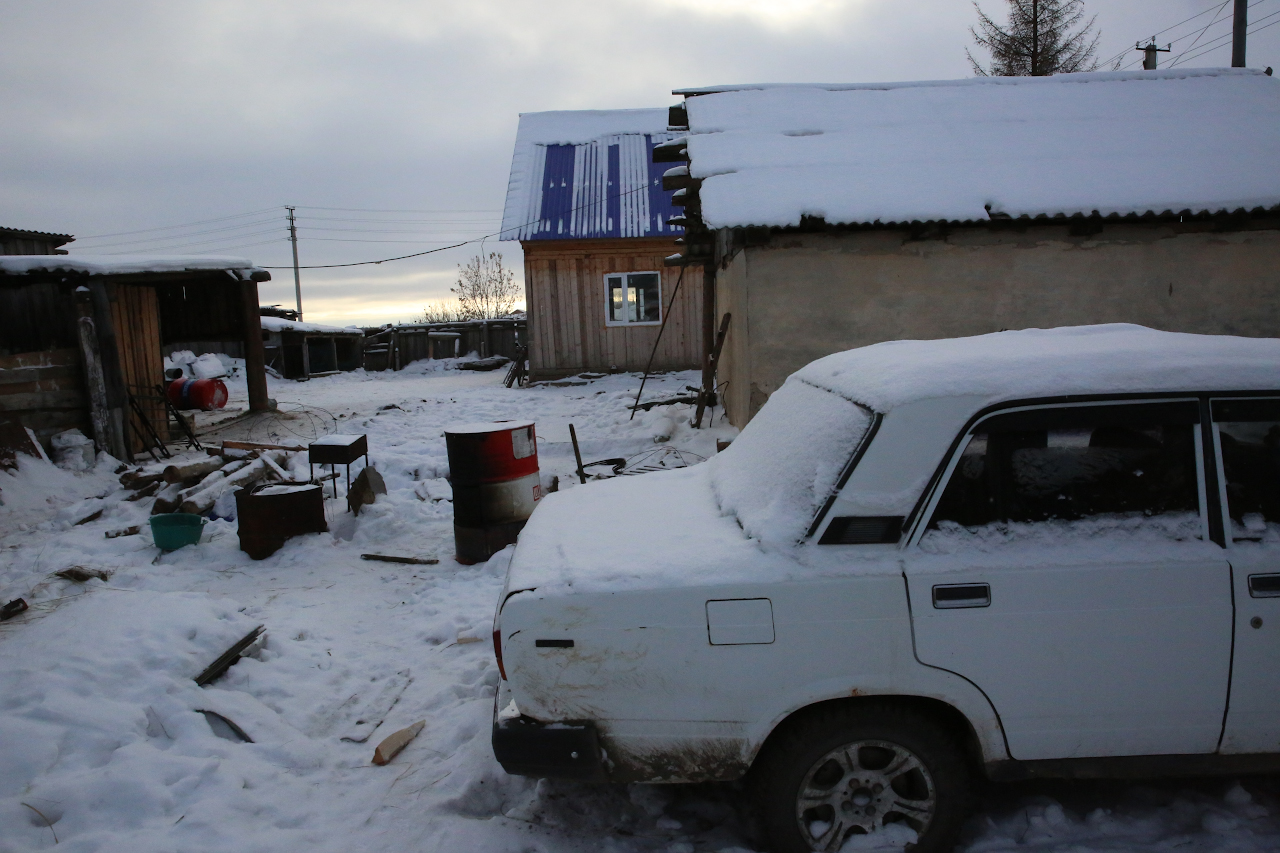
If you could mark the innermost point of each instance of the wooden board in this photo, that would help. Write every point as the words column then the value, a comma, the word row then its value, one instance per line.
column 565, row 296
column 135, row 313
column 44, row 391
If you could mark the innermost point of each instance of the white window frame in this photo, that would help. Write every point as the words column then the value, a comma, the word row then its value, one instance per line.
column 626, row 290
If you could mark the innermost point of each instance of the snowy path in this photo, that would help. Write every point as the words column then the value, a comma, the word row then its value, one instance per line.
column 98, row 730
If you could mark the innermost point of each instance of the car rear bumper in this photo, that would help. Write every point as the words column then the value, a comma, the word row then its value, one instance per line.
column 526, row 747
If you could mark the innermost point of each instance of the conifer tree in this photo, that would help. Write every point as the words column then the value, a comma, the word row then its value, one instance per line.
column 1042, row 37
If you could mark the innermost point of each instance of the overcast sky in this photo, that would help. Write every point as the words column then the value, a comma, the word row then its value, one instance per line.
column 390, row 124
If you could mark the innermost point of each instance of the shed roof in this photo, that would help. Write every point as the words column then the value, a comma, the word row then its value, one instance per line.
column 1174, row 141
column 26, row 234
column 588, row 174
column 127, row 265
column 1114, row 358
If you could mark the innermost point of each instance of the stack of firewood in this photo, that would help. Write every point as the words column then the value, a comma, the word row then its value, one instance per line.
column 194, row 486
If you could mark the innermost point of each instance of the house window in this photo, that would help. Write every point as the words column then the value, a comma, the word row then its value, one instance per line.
column 633, row 297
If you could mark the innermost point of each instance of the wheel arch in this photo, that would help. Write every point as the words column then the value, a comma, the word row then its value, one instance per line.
column 949, row 718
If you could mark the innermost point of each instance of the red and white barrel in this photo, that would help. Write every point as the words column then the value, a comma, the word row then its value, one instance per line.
column 205, row 394
column 494, row 471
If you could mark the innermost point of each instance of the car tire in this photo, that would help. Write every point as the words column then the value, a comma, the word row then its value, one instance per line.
column 854, row 769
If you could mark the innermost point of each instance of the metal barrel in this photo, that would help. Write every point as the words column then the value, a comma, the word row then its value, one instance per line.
column 494, row 471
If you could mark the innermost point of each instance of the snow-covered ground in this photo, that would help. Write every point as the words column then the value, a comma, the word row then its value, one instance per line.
column 100, row 734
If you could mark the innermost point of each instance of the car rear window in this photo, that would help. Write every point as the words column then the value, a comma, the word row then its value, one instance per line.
column 787, row 461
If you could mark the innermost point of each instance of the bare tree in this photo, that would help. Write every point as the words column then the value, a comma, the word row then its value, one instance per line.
column 1043, row 37
column 485, row 289
column 439, row 312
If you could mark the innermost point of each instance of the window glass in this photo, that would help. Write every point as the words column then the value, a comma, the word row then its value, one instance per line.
column 617, row 302
column 1075, row 462
column 645, row 299
column 1251, row 466
column 634, row 297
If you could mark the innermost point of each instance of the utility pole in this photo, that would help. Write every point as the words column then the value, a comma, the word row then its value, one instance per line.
column 1151, row 51
column 297, row 280
column 1238, row 32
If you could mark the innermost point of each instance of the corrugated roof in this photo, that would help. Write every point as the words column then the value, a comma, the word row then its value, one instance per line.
column 588, row 174
column 124, row 264
column 25, row 234
column 1113, row 143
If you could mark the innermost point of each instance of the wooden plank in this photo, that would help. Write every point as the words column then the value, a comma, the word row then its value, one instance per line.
column 67, row 374
column 47, row 358
column 43, row 400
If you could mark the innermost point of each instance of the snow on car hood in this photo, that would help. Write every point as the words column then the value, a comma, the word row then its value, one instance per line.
column 655, row 529
column 738, row 517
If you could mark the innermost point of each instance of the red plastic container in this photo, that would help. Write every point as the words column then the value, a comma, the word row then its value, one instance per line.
column 204, row 394
column 493, row 468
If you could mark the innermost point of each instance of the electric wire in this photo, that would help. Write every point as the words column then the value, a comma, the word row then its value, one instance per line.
column 1178, row 58
column 171, row 238
column 1222, row 41
column 184, row 225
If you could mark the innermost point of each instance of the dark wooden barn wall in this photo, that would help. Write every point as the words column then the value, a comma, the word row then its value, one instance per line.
column 565, row 301
column 44, row 391
column 200, row 311
column 37, row 317
column 135, row 312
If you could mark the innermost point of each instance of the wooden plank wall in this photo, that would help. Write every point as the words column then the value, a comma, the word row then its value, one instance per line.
column 45, row 392
column 565, row 301
column 135, row 312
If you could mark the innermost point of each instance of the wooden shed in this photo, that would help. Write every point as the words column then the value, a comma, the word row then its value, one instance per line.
column 298, row 350
column 81, row 338
column 586, row 202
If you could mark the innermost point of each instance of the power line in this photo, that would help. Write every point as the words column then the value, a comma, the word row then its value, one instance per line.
column 218, row 249
column 172, row 237
column 389, row 210
column 1177, row 58
column 1221, row 41
column 185, row 225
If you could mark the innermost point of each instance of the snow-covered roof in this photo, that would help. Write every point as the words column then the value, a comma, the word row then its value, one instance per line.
column 588, row 174
column 280, row 324
column 122, row 264
column 1104, row 359
column 1171, row 141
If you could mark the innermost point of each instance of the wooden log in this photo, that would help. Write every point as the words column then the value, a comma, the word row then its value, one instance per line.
column 391, row 558
column 275, row 468
column 257, row 445
column 188, row 470
column 139, row 479
column 225, row 471
column 167, row 500
column 145, row 492
column 202, row 502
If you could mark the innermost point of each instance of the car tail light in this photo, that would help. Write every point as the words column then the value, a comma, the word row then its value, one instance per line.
column 497, row 652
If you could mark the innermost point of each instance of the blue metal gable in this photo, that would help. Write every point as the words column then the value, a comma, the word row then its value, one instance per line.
column 609, row 187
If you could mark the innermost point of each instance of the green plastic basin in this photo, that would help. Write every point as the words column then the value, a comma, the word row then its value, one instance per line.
column 176, row 529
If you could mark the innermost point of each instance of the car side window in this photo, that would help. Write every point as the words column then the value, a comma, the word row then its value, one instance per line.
column 1249, row 441
column 1074, row 462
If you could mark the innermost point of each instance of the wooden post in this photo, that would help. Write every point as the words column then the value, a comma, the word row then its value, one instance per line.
column 1239, row 27
column 99, row 415
column 255, row 363
column 112, row 372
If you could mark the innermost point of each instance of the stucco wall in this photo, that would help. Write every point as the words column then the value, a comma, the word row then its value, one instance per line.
column 803, row 296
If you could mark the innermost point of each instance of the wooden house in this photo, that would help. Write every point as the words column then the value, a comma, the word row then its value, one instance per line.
column 81, row 339
column 836, row 216
column 586, row 202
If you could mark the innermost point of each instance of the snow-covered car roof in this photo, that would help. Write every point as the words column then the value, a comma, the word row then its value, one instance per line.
column 1103, row 359
column 1123, row 143
column 124, row 264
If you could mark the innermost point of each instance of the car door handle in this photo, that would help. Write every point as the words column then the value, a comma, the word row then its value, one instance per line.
column 947, row 596
column 1264, row 586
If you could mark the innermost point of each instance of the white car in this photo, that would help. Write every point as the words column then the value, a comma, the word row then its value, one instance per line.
column 923, row 563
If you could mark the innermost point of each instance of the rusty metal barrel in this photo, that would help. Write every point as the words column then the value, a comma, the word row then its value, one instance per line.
column 494, row 471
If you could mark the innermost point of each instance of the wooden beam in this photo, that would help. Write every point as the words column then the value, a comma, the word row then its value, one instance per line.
column 255, row 365
column 99, row 411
